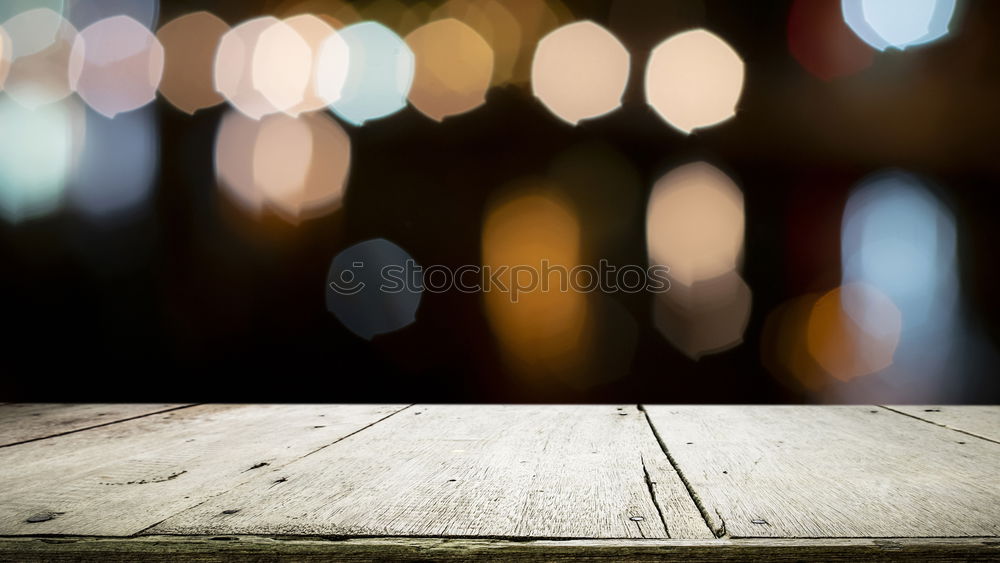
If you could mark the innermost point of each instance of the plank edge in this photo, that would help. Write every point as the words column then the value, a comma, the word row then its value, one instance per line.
column 305, row 548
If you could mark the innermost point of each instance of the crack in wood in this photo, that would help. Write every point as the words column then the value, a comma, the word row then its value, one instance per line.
column 719, row 531
column 170, row 477
column 652, row 495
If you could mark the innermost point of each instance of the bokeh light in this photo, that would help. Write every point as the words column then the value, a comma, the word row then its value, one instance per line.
column 379, row 76
column 785, row 349
column 694, row 79
column 888, row 314
column 116, row 65
column 898, row 24
column 844, row 348
column 281, row 156
column 401, row 17
column 821, row 42
column 235, row 143
column 82, row 13
column 282, row 66
column 38, row 149
column 5, row 54
column 890, row 328
column 189, row 44
column 580, row 71
column 233, row 75
column 41, row 42
column 695, row 223
column 46, row 30
column 535, row 20
column 295, row 167
column 337, row 13
column 114, row 178
column 542, row 330
column 326, row 179
column 495, row 24
column 454, row 67
column 695, row 227
column 333, row 63
column 707, row 317
column 315, row 32
column 897, row 237
column 356, row 296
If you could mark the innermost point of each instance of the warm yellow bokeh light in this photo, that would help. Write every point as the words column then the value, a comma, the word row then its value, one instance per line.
column 282, row 66
column 580, row 71
column 694, row 79
column 495, row 24
column 535, row 19
column 454, row 66
column 784, row 350
column 544, row 333
column 189, row 43
column 337, row 13
column 396, row 15
column 234, row 61
column 844, row 349
column 695, row 223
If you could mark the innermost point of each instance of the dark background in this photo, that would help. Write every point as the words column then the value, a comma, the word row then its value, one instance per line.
column 195, row 301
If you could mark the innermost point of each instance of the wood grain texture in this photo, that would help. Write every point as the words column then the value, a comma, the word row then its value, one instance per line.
column 844, row 471
column 468, row 470
column 22, row 422
column 979, row 421
column 122, row 478
column 168, row 549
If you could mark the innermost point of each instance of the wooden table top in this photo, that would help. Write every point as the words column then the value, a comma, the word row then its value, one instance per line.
column 498, row 482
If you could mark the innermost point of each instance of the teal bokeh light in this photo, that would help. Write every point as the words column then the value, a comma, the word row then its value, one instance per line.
column 379, row 76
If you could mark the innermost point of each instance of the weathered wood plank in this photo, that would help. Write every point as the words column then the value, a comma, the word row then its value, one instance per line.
column 168, row 549
column 122, row 478
column 980, row 421
column 844, row 471
column 467, row 470
column 23, row 422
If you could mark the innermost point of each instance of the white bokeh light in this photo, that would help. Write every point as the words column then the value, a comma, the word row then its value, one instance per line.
column 694, row 79
column 898, row 24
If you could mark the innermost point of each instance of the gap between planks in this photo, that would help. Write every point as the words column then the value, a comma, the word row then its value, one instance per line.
column 92, row 426
column 838, row 471
column 65, row 476
column 564, row 471
column 897, row 410
column 719, row 531
column 208, row 498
